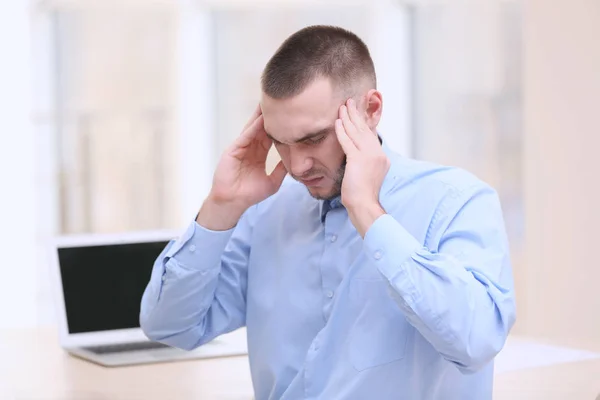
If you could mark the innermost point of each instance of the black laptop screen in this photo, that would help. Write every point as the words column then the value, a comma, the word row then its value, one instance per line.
column 103, row 285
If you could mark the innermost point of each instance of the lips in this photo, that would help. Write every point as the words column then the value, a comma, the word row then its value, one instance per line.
column 312, row 182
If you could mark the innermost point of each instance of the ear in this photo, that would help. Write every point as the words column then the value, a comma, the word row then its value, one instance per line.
column 374, row 107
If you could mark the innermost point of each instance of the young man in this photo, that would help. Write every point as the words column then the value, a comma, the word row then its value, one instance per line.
column 364, row 275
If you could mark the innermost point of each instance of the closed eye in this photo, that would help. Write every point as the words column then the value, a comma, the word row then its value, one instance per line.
column 315, row 141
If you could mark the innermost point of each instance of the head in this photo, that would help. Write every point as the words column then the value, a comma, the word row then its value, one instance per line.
column 304, row 84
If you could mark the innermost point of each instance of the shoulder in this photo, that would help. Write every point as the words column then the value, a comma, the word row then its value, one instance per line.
column 429, row 197
column 429, row 179
column 434, row 194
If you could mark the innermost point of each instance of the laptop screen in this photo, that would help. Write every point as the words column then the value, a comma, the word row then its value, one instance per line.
column 103, row 285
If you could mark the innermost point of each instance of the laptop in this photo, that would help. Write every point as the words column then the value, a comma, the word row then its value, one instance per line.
column 99, row 280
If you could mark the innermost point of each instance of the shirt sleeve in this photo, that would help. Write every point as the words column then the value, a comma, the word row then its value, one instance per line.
column 458, row 295
column 197, row 289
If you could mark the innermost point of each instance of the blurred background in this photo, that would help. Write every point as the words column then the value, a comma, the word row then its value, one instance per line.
column 114, row 113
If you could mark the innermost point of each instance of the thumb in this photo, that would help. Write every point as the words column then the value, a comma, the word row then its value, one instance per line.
column 278, row 175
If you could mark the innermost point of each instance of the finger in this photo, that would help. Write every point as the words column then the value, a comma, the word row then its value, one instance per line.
column 256, row 130
column 265, row 141
column 257, row 112
column 355, row 116
column 365, row 137
column 349, row 127
column 278, row 175
column 347, row 144
column 261, row 145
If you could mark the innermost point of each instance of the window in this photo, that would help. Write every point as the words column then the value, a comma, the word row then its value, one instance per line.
column 144, row 95
column 137, row 102
column 115, row 140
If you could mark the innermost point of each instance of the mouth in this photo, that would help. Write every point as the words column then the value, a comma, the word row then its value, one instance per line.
column 312, row 182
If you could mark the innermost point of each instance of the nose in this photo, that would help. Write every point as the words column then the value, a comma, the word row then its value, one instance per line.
column 300, row 162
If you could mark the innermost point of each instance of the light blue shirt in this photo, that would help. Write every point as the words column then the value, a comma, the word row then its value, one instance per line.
column 416, row 310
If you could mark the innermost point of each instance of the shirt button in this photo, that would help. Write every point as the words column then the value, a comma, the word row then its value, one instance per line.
column 377, row 255
column 333, row 238
column 193, row 248
column 329, row 294
column 164, row 278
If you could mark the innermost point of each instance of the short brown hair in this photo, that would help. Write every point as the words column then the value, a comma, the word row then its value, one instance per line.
column 317, row 51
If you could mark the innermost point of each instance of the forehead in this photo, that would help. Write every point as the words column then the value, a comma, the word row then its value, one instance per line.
column 289, row 119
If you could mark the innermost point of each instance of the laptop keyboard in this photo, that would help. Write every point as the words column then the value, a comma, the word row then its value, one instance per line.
column 124, row 347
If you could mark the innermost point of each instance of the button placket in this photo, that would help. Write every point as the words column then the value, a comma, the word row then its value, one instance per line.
column 328, row 263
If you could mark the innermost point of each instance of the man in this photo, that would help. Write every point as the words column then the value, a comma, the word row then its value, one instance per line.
column 365, row 275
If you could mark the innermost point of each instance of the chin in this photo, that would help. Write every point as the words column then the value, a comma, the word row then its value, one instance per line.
column 324, row 193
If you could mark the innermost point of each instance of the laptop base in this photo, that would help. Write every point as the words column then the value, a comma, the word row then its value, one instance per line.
column 233, row 344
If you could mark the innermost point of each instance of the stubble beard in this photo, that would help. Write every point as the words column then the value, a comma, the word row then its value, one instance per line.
column 336, row 191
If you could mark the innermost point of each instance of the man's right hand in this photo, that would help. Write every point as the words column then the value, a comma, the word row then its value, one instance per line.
column 240, row 179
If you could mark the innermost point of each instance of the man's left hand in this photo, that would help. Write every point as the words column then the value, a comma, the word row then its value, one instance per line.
column 366, row 167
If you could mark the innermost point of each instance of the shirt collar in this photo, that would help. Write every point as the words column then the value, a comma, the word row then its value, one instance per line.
column 326, row 205
column 393, row 174
column 388, row 182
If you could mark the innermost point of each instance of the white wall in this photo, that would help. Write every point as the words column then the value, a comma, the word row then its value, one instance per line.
column 560, row 278
column 18, row 219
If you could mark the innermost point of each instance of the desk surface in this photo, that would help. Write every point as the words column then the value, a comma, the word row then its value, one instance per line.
column 569, row 381
column 33, row 367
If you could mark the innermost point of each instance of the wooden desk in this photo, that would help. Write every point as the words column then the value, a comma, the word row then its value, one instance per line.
column 33, row 367
column 570, row 381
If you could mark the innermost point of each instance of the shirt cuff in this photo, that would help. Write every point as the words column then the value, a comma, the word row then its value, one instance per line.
column 389, row 245
column 199, row 248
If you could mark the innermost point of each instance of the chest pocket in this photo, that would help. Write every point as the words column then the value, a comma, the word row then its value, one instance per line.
column 380, row 333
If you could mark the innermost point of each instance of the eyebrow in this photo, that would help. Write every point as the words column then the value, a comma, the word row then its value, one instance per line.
column 309, row 136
